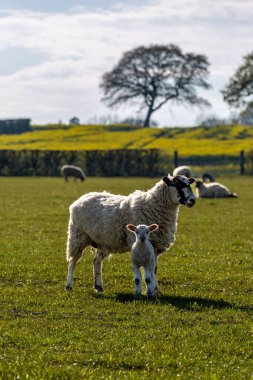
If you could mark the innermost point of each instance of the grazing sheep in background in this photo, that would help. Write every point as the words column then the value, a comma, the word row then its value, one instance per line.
column 213, row 190
column 143, row 255
column 183, row 170
column 207, row 177
column 72, row 171
column 99, row 220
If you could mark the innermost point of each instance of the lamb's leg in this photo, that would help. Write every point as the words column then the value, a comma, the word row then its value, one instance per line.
column 137, row 281
column 97, row 271
column 149, row 279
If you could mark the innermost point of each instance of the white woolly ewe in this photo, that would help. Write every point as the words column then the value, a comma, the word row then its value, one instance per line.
column 99, row 220
column 72, row 171
column 213, row 190
column 143, row 255
column 183, row 170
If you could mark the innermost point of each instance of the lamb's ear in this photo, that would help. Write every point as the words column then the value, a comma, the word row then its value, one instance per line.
column 191, row 180
column 153, row 227
column 167, row 181
column 131, row 227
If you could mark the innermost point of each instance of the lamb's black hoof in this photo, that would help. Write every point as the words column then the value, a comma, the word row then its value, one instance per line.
column 99, row 289
column 68, row 287
column 157, row 292
column 150, row 296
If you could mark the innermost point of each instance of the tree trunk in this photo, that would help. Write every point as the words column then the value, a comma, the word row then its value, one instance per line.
column 147, row 120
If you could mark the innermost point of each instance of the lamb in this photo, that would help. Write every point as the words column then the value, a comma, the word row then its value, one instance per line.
column 143, row 255
column 99, row 219
column 213, row 190
column 72, row 171
column 183, row 170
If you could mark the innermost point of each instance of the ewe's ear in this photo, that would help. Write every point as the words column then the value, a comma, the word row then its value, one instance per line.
column 153, row 227
column 167, row 181
column 191, row 180
column 131, row 227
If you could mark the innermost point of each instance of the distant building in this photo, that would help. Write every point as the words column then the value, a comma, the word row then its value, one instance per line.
column 14, row 126
column 74, row 121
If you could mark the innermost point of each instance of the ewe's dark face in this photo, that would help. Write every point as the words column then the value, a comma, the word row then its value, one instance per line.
column 183, row 193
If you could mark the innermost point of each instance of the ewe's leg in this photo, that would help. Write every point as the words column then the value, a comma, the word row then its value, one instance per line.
column 156, row 289
column 97, row 271
column 72, row 265
column 137, row 281
column 153, row 282
column 75, row 246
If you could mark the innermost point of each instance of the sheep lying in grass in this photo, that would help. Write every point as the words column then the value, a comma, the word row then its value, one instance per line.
column 183, row 170
column 213, row 190
column 143, row 255
column 207, row 177
column 72, row 171
column 99, row 220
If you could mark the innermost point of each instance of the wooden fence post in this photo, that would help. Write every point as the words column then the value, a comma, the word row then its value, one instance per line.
column 242, row 162
column 175, row 159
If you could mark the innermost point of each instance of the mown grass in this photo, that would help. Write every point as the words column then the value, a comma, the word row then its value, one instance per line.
column 200, row 328
column 221, row 140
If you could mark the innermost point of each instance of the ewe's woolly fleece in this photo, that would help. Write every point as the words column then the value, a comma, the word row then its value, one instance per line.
column 102, row 218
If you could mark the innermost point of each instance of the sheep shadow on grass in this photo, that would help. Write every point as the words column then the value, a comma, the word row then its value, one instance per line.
column 185, row 303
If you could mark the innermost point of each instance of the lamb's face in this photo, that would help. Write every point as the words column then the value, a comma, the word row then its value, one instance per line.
column 142, row 231
column 182, row 193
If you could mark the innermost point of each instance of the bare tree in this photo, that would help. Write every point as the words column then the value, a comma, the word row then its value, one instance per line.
column 239, row 90
column 155, row 75
column 246, row 115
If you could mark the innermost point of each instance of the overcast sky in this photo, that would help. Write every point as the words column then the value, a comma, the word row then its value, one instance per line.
column 54, row 52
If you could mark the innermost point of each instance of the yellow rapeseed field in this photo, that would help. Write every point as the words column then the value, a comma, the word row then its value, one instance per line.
column 227, row 140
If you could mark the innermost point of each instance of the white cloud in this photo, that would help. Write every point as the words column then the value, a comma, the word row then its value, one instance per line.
column 82, row 44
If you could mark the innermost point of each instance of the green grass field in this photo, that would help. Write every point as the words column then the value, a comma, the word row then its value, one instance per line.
column 221, row 140
column 200, row 328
